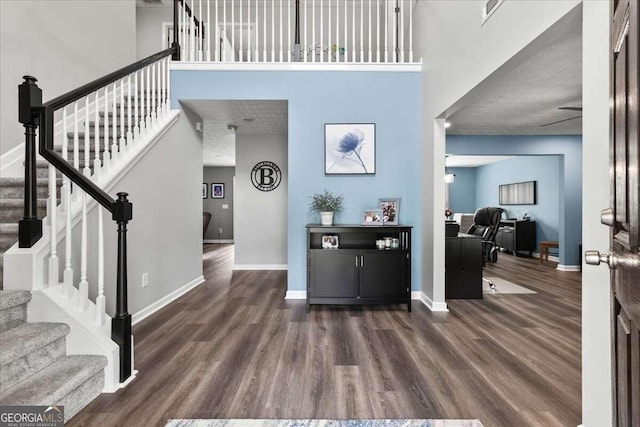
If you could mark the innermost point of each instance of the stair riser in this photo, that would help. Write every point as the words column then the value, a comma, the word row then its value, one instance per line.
column 83, row 395
column 20, row 369
column 13, row 215
column 17, row 192
column 13, row 317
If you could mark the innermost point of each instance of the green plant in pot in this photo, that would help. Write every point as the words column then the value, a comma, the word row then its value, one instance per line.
column 327, row 205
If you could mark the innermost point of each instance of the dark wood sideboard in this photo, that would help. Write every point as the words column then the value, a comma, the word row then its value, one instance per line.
column 517, row 236
column 357, row 272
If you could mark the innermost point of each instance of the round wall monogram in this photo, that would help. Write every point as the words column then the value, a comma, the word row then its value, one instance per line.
column 266, row 176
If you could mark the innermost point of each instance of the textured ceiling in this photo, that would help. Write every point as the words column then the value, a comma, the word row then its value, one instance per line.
column 472, row 161
column 219, row 142
column 525, row 92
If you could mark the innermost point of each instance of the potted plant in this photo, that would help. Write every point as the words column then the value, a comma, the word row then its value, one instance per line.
column 327, row 205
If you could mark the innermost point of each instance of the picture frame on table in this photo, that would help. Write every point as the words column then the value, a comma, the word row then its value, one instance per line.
column 330, row 241
column 217, row 191
column 390, row 207
column 372, row 217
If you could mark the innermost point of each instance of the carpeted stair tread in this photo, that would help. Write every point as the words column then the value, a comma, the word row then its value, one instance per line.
column 18, row 203
column 52, row 384
column 10, row 299
column 31, row 337
column 8, row 235
column 13, row 188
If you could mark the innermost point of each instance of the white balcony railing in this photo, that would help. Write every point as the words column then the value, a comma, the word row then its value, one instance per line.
column 322, row 31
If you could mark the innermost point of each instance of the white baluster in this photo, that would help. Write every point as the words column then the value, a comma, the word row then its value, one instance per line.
column 121, row 140
column 369, row 28
column 257, row 57
column 65, row 155
column 313, row 30
column 233, row 30
column 83, row 287
column 401, row 33
column 180, row 30
column 249, row 33
column 153, row 92
column 76, row 145
column 96, row 128
column 346, row 33
column 129, row 115
column 273, row 33
column 337, row 32
column 264, row 33
column 410, row 32
column 209, row 28
column 223, row 52
column 100, row 300
column 329, row 46
column 290, row 45
column 353, row 32
column 114, row 126
column 377, row 30
column 147, row 101
column 321, row 32
column 240, row 49
column 192, row 45
column 216, row 30
column 395, row 43
column 281, row 25
column 87, row 139
column 52, row 213
column 168, row 94
column 304, row 45
column 106, row 155
column 67, row 276
column 386, row 30
column 200, row 26
column 136, row 100
column 162, row 89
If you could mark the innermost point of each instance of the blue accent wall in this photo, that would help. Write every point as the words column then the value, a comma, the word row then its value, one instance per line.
column 462, row 192
column 569, row 150
column 391, row 100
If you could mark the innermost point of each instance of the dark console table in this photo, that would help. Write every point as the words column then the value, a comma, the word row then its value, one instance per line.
column 517, row 236
column 357, row 272
column 463, row 267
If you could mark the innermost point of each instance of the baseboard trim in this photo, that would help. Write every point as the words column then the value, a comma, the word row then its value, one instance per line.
column 568, row 267
column 217, row 241
column 433, row 306
column 260, row 266
column 165, row 300
column 296, row 295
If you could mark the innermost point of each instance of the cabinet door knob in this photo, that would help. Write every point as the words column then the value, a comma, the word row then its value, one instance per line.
column 361, row 260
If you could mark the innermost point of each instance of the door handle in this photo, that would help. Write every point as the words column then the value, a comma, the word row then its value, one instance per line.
column 607, row 217
column 356, row 261
column 611, row 259
column 361, row 260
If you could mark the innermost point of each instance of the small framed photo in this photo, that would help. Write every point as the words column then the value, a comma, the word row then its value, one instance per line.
column 390, row 210
column 330, row 241
column 204, row 190
column 372, row 217
column 217, row 191
column 349, row 149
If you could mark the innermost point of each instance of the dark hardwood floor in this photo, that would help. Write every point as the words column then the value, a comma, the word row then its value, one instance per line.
column 234, row 348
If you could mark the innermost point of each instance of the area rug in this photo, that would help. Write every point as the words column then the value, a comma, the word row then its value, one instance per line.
column 323, row 423
column 504, row 287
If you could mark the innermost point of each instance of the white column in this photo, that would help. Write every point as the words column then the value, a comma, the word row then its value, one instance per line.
column 83, row 287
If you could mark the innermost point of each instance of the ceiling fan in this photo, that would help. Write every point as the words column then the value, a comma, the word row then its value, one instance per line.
column 565, row 120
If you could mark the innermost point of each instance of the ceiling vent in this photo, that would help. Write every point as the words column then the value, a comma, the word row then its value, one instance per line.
column 489, row 8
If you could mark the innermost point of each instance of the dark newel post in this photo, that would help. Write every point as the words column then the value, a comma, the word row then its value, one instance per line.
column 29, row 97
column 297, row 49
column 175, row 45
column 121, row 322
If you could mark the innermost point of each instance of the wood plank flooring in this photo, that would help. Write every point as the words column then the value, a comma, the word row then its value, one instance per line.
column 234, row 348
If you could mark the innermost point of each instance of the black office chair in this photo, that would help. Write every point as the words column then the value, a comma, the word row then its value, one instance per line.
column 486, row 222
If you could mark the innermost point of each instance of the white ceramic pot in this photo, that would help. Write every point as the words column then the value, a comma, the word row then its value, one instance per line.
column 326, row 218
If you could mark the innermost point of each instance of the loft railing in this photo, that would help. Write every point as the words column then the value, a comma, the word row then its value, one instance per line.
column 110, row 115
column 324, row 31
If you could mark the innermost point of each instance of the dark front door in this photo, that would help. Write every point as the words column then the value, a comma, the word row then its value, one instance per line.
column 623, row 259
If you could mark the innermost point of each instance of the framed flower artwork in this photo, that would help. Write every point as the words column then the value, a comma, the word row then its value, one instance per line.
column 349, row 148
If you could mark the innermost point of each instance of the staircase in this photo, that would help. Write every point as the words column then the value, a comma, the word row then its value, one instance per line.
column 35, row 368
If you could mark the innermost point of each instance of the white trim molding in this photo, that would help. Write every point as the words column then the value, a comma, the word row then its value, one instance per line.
column 296, row 295
column 260, row 266
column 294, row 66
column 433, row 306
column 165, row 300
column 561, row 267
column 217, row 241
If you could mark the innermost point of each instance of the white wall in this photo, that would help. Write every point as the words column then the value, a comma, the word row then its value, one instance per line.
column 165, row 234
column 64, row 44
column 596, row 333
column 260, row 223
column 149, row 29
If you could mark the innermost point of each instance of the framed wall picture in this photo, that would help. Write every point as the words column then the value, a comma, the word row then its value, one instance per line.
column 390, row 210
column 204, row 190
column 372, row 217
column 350, row 149
column 217, row 191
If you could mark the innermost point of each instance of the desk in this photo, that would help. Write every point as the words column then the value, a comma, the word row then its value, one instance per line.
column 463, row 267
